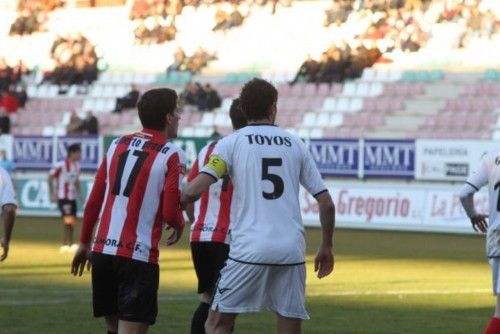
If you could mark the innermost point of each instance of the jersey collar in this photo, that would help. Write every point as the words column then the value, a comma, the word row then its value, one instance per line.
column 261, row 124
column 154, row 133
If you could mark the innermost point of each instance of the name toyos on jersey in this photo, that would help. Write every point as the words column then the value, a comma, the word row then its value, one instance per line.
column 269, row 140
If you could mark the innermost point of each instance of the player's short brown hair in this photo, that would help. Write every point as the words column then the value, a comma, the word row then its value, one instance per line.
column 257, row 98
column 238, row 119
column 154, row 105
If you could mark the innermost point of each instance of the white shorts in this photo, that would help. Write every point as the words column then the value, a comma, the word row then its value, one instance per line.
column 495, row 267
column 243, row 288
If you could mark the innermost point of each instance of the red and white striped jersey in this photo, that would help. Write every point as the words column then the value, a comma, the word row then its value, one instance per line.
column 136, row 191
column 213, row 210
column 66, row 174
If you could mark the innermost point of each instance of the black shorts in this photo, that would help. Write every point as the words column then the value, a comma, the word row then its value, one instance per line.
column 208, row 260
column 67, row 207
column 126, row 287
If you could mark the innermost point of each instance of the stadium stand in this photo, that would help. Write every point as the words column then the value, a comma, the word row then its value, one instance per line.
column 424, row 93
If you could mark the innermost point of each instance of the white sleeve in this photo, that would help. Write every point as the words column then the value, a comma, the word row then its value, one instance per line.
column 477, row 180
column 310, row 178
column 7, row 194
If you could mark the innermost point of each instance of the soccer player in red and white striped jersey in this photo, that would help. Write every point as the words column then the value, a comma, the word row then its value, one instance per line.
column 136, row 191
column 64, row 188
column 210, row 228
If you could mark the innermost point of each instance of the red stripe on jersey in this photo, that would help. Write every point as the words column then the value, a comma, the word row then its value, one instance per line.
column 67, row 163
column 102, row 233
column 194, row 171
column 155, row 237
column 200, row 222
column 129, row 232
column 171, row 210
column 57, row 172
column 223, row 218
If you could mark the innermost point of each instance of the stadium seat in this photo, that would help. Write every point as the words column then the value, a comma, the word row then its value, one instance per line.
column 323, row 119
column 208, row 119
column 316, row 133
column 409, row 76
column 310, row 119
column 362, row 90
column 350, row 89
column 369, row 74
column 343, row 104
column 491, row 75
column 355, row 105
column 323, row 90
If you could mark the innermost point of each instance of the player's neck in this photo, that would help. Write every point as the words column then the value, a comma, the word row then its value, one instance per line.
column 261, row 121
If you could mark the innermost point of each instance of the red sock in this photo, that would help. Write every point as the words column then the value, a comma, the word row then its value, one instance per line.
column 493, row 326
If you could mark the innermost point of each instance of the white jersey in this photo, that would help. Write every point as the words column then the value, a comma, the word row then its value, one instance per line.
column 66, row 175
column 267, row 165
column 7, row 193
column 488, row 173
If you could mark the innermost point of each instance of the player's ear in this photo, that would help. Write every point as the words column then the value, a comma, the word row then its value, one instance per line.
column 274, row 111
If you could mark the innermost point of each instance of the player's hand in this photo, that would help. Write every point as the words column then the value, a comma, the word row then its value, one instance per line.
column 479, row 223
column 175, row 236
column 5, row 247
column 324, row 261
column 82, row 257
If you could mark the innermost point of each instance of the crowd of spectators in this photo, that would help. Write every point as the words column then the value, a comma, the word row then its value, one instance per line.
column 154, row 31
column 474, row 20
column 193, row 64
column 337, row 64
column 75, row 61
column 155, row 20
column 202, row 97
column 225, row 19
column 86, row 126
column 32, row 16
column 12, row 90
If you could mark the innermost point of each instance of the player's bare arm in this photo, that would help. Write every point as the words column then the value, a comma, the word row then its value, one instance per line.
column 324, row 261
column 53, row 196
column 478, row 221
column 194, row 190
column 78, row 187
column 82, row 258
column 90, row 216
column 189, row 208
column 9, row 216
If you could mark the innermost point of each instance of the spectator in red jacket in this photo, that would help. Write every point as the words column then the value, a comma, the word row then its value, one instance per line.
column 9, row 102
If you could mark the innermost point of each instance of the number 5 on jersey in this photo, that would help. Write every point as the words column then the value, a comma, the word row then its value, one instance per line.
column 279, row 186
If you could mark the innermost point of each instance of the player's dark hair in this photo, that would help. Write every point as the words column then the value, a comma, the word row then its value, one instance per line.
column 257, row 98
column 154, row 105
column 74, row 148
column 238, row 119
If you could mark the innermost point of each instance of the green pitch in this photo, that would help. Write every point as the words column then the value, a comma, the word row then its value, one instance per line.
column 384, row 282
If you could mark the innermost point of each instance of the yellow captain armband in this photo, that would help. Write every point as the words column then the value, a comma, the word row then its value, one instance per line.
column 218, row 165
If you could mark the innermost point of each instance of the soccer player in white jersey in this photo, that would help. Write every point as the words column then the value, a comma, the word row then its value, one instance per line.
column 135, row 192
column 64, row 189
column 488, row 173
column 266, row 265
column 210, row 229
column 8, row 202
